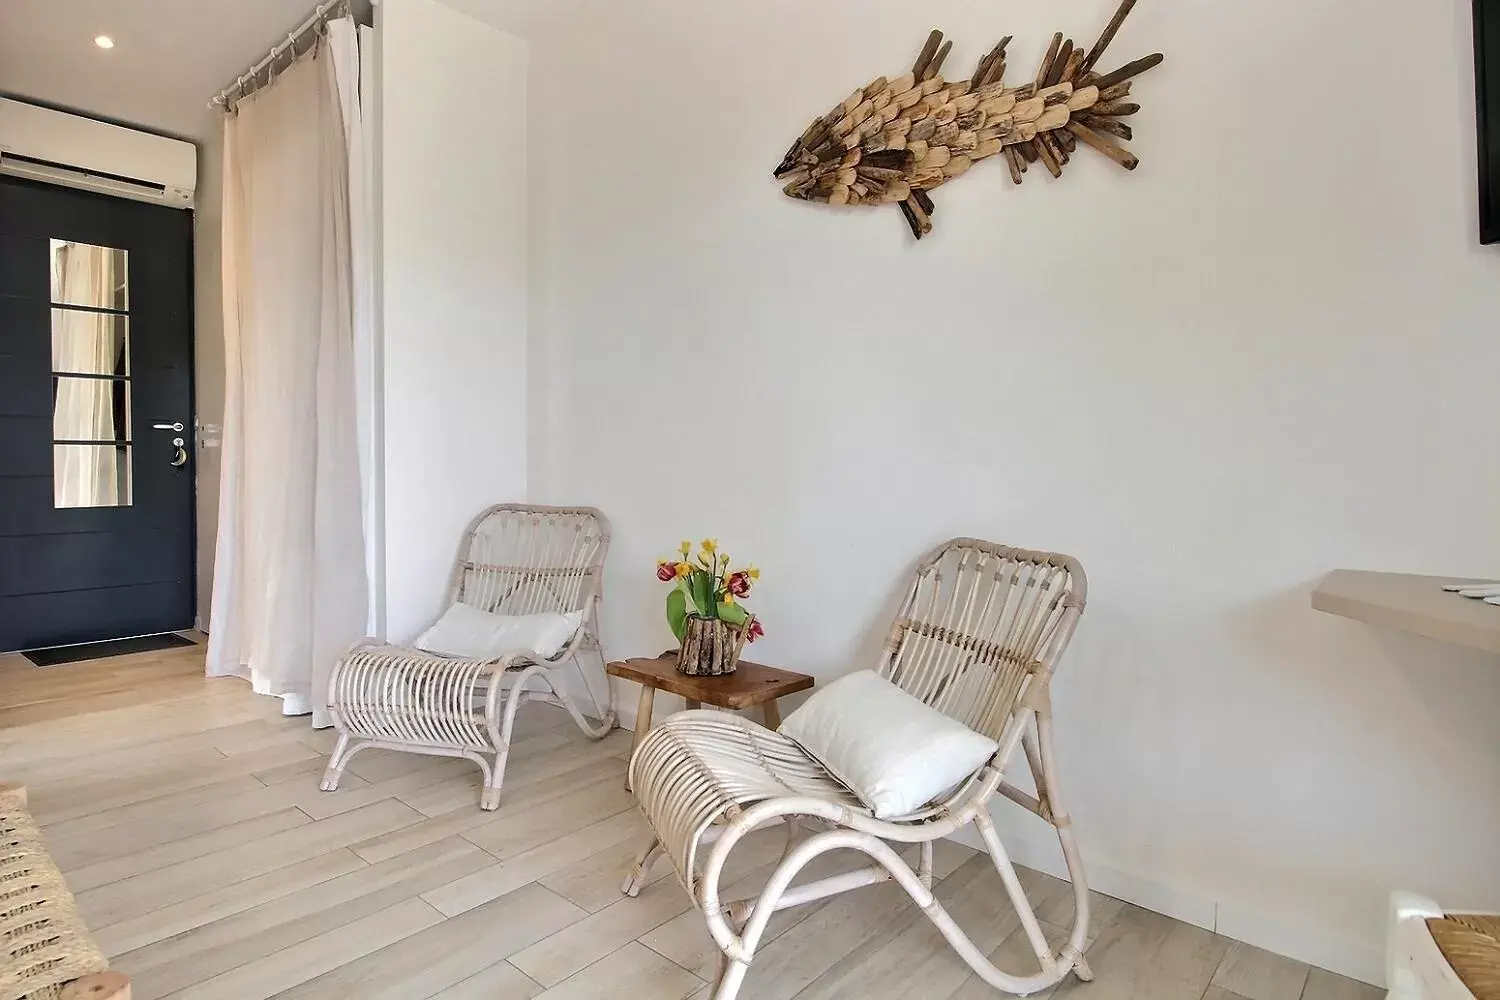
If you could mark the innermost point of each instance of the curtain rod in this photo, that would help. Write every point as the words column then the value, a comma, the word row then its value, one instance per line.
column 315, row 22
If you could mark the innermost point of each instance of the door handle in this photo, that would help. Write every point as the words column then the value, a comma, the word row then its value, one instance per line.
column 179, row 457
column 168, row 427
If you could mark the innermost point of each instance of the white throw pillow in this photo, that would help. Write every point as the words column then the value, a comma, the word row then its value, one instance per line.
column 472, row 634
column 892, row 751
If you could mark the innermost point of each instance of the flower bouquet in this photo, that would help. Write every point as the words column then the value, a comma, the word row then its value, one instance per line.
column 703, row 608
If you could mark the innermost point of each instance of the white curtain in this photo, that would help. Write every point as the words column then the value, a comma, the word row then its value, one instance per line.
column 289, row 577
column 357, row 99
column 84, row 408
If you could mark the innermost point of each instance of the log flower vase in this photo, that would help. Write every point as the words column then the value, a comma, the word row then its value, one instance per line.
column 710, row 647
column 704, row 609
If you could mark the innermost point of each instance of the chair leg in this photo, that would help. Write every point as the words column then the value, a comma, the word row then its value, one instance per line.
column 924, row 866
column 336, row 762
column 501, row 729
column 606, row 724
column 738, row 939
column 731, row 978
column 641, row 870
column 606, row 712
column 1065, row 837
column 1017, row 893
column 731, row 971
column 792, row 828
column 494, row 777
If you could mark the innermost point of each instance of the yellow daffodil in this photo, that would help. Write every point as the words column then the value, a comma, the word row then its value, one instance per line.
column 683, row 569
column 709, row 544
column 685, row 548
column 728, row 598
column 754, row 572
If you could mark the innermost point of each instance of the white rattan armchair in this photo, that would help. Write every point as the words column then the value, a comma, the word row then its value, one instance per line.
column 978, row 638
column 514, row 560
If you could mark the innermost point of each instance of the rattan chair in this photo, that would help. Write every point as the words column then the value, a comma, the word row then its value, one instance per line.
column 978, row 638
column 514, row 560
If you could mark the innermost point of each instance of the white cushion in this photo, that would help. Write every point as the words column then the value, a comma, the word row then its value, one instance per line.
column 468, row 632
column 889, row 748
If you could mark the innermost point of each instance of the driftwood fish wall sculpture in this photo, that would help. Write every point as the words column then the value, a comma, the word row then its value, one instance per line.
column 895, row 140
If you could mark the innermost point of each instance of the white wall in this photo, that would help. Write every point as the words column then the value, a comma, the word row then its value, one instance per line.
column 453, row 133
column 1269, row 352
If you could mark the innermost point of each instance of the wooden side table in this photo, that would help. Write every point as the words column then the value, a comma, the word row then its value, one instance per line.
column 751, row 685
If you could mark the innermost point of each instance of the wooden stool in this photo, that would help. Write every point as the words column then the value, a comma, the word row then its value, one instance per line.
column 751, row 685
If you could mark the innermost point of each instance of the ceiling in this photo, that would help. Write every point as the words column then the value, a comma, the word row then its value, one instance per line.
column 523, row 18
column 170, row 56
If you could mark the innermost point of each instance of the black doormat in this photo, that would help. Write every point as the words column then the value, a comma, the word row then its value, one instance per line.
column 98, row 650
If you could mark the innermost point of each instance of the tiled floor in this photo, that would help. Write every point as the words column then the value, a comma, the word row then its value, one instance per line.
column 187, row 817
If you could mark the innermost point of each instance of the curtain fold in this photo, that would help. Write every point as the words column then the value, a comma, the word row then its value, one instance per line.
column 290, row 578
column 352, row 46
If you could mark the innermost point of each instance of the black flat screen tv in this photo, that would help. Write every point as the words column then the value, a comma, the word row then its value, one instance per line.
column 1487, row 87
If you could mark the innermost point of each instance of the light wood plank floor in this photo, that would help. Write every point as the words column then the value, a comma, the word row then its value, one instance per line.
column 187, row 817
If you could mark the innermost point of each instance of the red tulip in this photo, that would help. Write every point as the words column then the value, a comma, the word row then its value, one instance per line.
column 666, row 572
column 756, row 630
column 738, row 584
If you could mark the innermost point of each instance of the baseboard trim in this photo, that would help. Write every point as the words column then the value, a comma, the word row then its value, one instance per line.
column 1354, row 959
column 1188, row 907
column 1313, row 945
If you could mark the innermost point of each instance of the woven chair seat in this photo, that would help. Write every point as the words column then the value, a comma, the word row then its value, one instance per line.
column 418, row 712
column 702, row 766
column 401, row 682
column 391, row 651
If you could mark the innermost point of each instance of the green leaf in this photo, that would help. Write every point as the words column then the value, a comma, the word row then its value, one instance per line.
column 703, row 594
column 733, row 614
column 677, row 613
column 682, row 588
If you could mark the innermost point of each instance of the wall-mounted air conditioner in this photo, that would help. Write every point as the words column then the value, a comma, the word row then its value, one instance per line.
column 59, row 148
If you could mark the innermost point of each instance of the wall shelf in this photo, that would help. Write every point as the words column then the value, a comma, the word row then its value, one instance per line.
column 1411, row 603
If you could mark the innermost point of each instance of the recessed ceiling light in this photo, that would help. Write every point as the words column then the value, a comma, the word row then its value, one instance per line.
column 104, row 42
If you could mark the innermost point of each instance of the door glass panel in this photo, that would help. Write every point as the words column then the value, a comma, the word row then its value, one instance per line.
column 90, row 409
column 91, row 475
column 88, row 275
column 91, row 443
column 90, row 343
